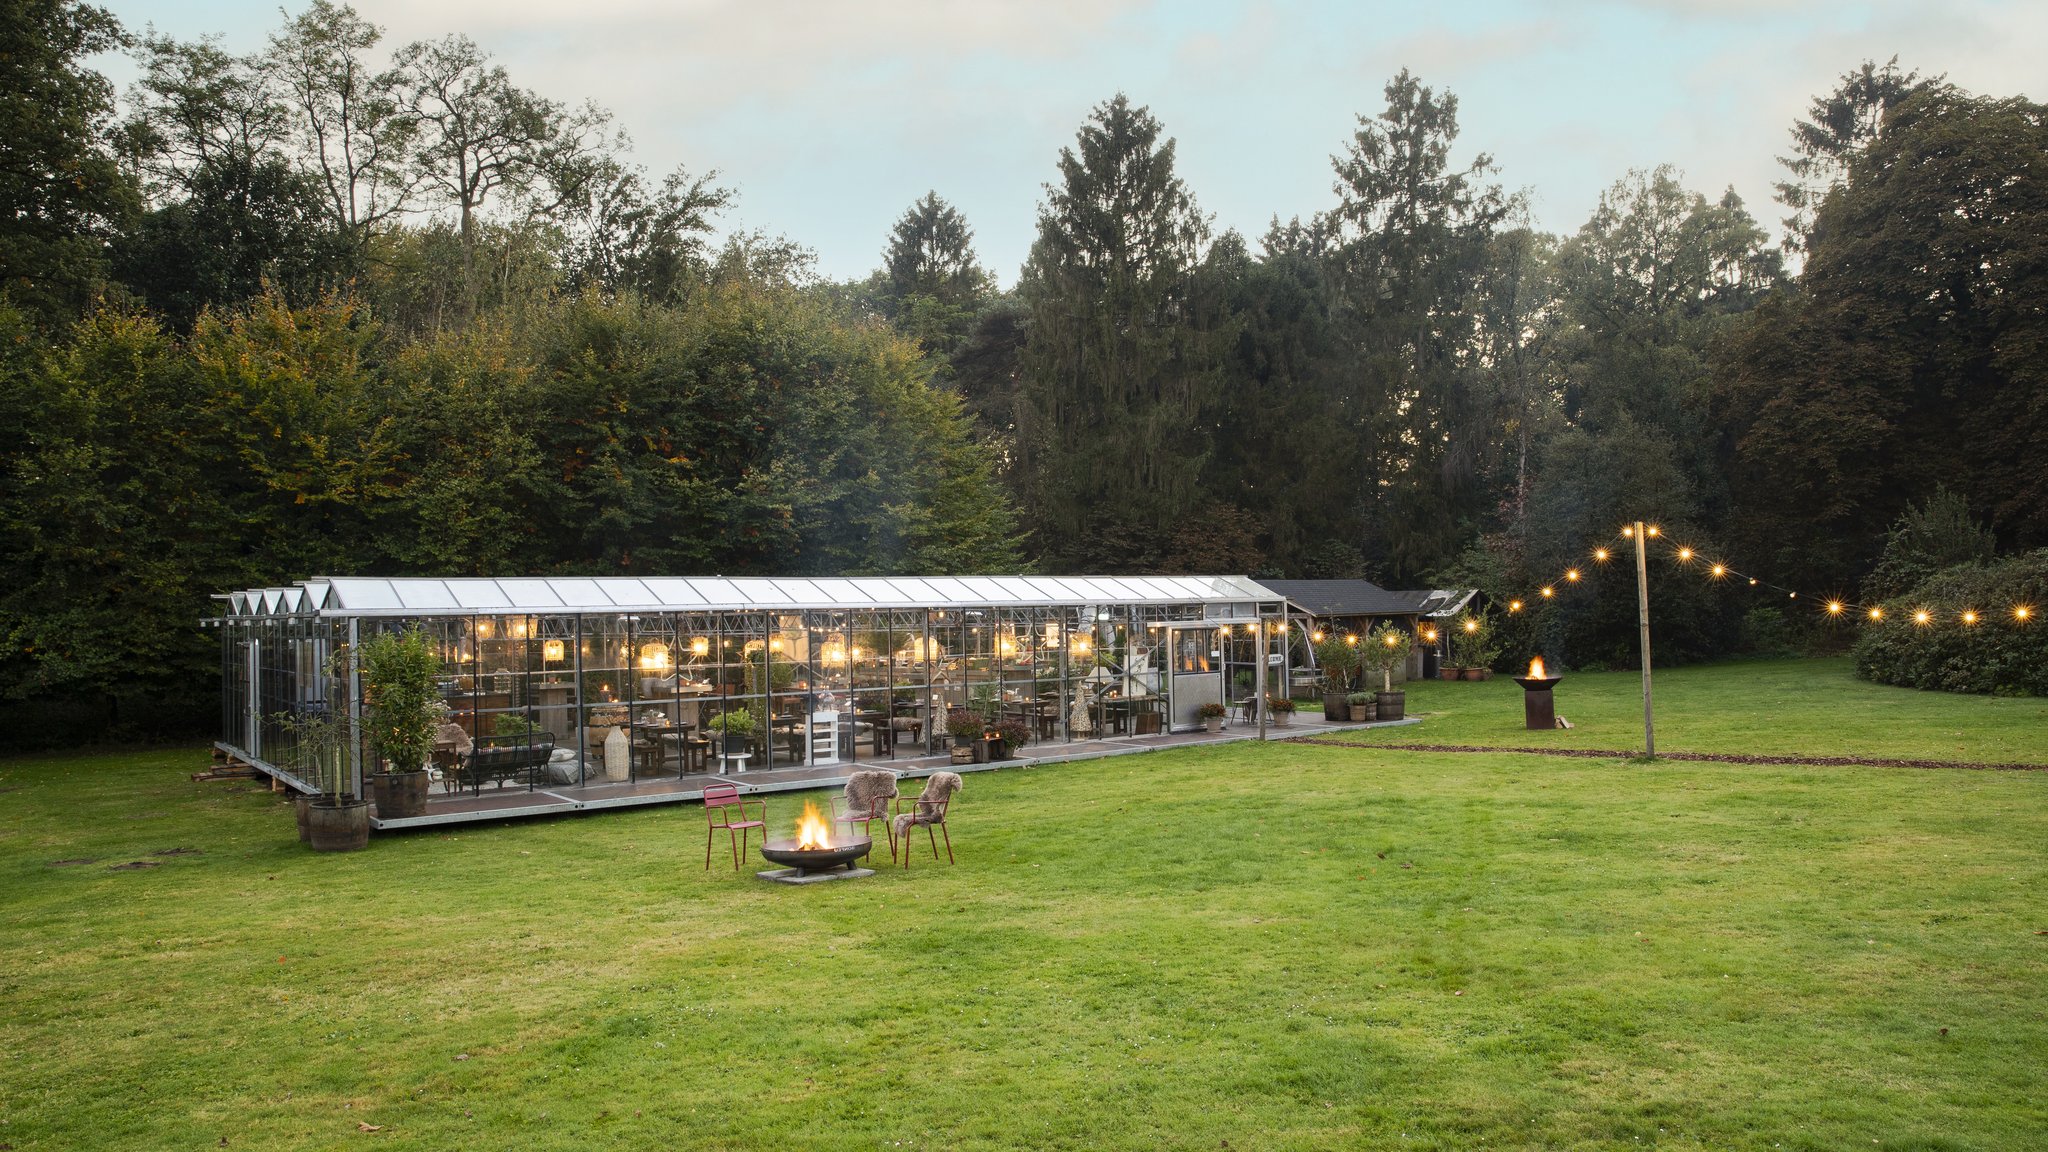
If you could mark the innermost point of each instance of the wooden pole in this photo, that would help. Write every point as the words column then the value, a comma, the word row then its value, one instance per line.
column 1643, row 625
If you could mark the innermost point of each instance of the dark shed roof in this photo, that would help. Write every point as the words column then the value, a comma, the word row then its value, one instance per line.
column 1365, row 598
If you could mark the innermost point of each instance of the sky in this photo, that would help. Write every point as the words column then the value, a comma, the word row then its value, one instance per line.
column 829, row 117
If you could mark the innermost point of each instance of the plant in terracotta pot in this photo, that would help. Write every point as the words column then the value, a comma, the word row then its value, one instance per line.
column 1387, row 649
column 1472, row 644
column 1338, row 659
column 965, row 728
column 1363, row 707
column 1281, row 709
column 1212, row 715
column 401, row 710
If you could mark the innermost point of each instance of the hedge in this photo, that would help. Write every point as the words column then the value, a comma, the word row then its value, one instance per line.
column 2000, row 653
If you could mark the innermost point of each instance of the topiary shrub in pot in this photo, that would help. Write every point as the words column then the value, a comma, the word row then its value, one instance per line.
column 1338, row 659
column 1364, row 707
column 401, row 710
column 1387, row 649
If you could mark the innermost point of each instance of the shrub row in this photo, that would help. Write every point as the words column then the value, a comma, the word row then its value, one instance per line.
column 1999, row 653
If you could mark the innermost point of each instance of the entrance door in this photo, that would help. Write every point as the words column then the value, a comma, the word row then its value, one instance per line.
column 1197, row 675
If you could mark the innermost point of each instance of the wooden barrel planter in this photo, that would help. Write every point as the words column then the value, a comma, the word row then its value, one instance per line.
column 338, row 825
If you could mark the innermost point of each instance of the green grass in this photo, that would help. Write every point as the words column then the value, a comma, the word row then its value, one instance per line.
column 1281, row 947
column 1782, row 707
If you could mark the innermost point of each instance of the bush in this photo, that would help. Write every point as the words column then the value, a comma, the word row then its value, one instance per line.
column 1212, row 711
column 962, row 724
column 1278, row 704
column 1998, row 653
column 1013, row 732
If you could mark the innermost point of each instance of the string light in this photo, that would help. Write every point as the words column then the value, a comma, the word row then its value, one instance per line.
column 1513, row 606
column 1834, row 607
column 1571, row 574
column 1877, row 613
column 1720, row 570
column 1685, row 554
column 1922, row 616
column 1600, row 554
column 1969, row 617
column 1548, row 591
column 1652, row 531
column 1752, row 581
column 1473, row 625
column 2021, row 613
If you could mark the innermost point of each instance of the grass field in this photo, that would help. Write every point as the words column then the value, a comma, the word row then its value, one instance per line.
column 1795, row 707
column 1281, row 946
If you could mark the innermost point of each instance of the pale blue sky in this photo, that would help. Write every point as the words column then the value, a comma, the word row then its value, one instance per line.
column 829, row 118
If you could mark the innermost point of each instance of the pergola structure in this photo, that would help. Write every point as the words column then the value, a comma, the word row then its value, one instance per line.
column 573, row 659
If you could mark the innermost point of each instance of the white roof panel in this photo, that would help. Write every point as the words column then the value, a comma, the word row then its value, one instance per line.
column 424, row 596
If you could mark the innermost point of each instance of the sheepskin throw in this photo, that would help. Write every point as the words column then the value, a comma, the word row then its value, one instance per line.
column 940, row 788
column 870, row 790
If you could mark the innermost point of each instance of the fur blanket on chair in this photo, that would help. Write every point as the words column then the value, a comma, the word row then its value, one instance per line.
column 870, row 790
column 939, row 789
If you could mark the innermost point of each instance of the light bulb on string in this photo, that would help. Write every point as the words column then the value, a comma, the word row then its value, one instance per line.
column 1877, row 613
column 1922, row 616
column 1650, row 531
column 1571, row 574
column 1719, row 570
column 1513, row 606
column 1752, row 581
column 1548, row 591
column 1473, row 625
column 2021, row 613
column 1684, row 555
column 1969, row 617
column 1834, row 607
column 1600, row 554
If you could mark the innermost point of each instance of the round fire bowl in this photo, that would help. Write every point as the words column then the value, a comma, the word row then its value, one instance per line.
column 808, row 860
column 1537, row 683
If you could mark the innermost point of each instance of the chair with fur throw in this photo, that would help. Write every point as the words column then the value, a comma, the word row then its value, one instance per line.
column 929, row 810
column 866, row 800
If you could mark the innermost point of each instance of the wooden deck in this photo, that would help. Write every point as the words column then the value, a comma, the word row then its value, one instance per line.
column 513, row 803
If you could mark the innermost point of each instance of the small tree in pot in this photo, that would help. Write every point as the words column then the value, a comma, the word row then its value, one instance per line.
column 1363, row 706
column 1387, row 649
column 1339, row 661
column 401, row 708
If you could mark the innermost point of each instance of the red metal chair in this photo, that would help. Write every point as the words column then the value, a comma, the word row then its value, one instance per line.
column 719, row 802
column 930, row 812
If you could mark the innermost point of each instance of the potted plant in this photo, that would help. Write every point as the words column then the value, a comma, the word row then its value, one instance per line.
column 1471, row 646
column 1363, row 707
column 319, row 740
column 1388, row 648
column 736, row 729
column 1010, row 736
column 1281, row 709
column 1338, row 660
column 965, row 728
column 400, row 713
column 1212, row 714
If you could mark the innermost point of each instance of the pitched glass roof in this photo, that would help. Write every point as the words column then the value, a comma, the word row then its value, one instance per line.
column 425, row 596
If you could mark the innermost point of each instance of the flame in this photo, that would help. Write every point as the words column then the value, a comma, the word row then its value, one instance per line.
column 1536, row 668
column 812, row 829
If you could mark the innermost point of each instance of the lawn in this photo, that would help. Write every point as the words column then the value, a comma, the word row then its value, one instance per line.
column 1282, row 946
column 1784, row 707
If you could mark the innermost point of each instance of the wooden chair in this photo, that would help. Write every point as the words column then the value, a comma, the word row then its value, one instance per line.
column 720, row 800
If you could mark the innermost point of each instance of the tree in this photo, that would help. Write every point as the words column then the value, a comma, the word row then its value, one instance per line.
column 346, row 119
column 1914, row 354
column 62, row 191
column 621, row 236
column 931, row 285
column 1122, row 355
column 1938, row 535
column 480, row 135
column 1842, row 123
column 1410, row 236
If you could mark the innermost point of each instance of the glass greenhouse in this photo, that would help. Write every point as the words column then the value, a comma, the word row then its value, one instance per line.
column 621, row 690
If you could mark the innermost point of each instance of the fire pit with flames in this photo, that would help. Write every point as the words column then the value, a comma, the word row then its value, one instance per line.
column 816, row 853
column 1539, row 708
